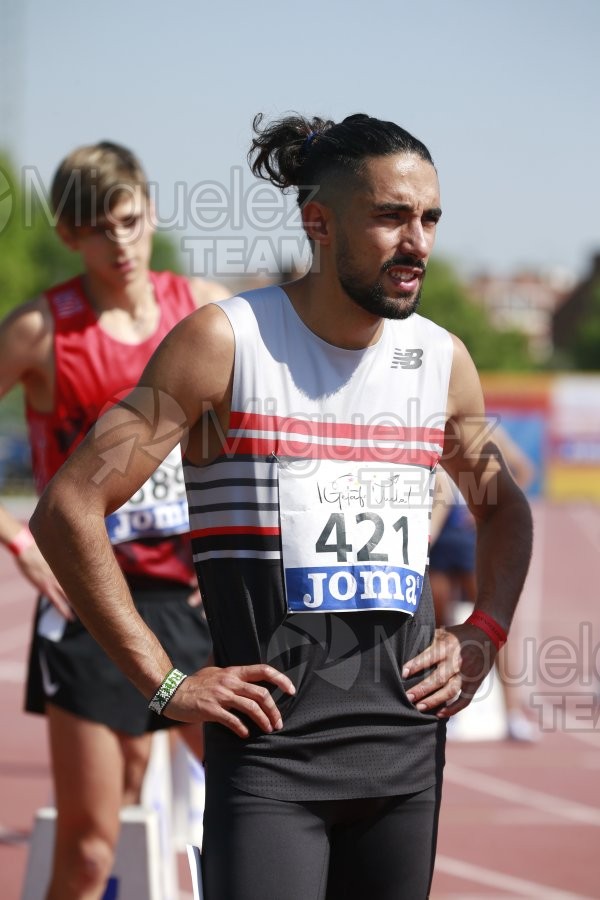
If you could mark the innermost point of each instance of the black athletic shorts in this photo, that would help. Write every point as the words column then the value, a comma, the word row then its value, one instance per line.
column 69, row 669
column 256, row 848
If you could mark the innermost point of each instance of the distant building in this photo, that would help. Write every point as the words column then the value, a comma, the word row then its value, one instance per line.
column 526, row 302
column 572, row 312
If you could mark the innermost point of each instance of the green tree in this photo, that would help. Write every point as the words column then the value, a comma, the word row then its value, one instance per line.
column 446, row 301
column 585, row 351
column 165, row 254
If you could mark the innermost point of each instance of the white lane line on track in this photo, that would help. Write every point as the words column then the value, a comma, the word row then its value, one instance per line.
column 493, row 896
column 486, row 896
column 519, row 886
column 12, row 673
column 522, row 796
column 515, row 818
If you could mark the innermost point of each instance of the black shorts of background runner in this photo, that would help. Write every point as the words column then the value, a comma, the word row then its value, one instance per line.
column 75, row 674
column 381, row 848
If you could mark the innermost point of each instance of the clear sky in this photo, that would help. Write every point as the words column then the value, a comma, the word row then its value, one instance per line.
column 503, row 92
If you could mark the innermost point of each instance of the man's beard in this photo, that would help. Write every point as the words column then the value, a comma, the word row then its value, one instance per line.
column 372, row 297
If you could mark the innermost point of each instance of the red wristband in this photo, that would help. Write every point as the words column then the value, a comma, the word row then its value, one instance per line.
column 489, row 626
column 21, row 541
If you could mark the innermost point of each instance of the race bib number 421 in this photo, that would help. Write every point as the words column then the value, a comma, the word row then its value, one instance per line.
column 354, row 536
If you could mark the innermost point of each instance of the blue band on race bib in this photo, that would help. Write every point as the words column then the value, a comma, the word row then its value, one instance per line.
column 353, row 588
column 158, row 509
column 159, row 520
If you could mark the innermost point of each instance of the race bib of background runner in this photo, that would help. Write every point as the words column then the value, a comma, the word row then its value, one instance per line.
column 158, row 509
column 354, row 535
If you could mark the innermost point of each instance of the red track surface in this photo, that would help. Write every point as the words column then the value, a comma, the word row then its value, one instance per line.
column 517, row 820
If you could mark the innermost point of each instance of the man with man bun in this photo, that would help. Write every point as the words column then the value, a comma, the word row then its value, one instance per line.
column 313, row 416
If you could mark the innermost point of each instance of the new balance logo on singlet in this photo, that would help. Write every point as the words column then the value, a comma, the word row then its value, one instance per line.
column 407, row 359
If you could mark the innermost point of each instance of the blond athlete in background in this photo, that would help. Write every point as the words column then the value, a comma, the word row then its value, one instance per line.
column 76, row 350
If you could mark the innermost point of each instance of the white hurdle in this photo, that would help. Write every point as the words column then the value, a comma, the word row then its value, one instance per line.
column 485, row 717
column 136, row 874
column 145, row 863
column 188, row 799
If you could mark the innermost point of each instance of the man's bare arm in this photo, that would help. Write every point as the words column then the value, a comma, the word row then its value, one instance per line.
column 463, row 655
column 25, row 347
column 188, row 375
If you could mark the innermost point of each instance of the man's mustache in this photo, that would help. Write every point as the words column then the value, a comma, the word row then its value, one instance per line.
column 410, row 261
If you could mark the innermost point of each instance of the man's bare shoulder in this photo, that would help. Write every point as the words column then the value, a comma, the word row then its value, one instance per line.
column 32, row 315
column 194, row 363
column 205, row 291
column 203, row 343
column 28, row 327
column 26, row 345
column 465, row 396
column 208, row 323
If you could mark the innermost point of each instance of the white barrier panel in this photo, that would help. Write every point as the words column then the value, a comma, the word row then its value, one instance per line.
column 157, row 795
column 136, row 874
column 145, row 863
column 188, row 798
column 485, row 717
column 193, row 854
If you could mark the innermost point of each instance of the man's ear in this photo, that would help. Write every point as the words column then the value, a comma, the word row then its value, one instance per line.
column 67, row 235
column 317, row 221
